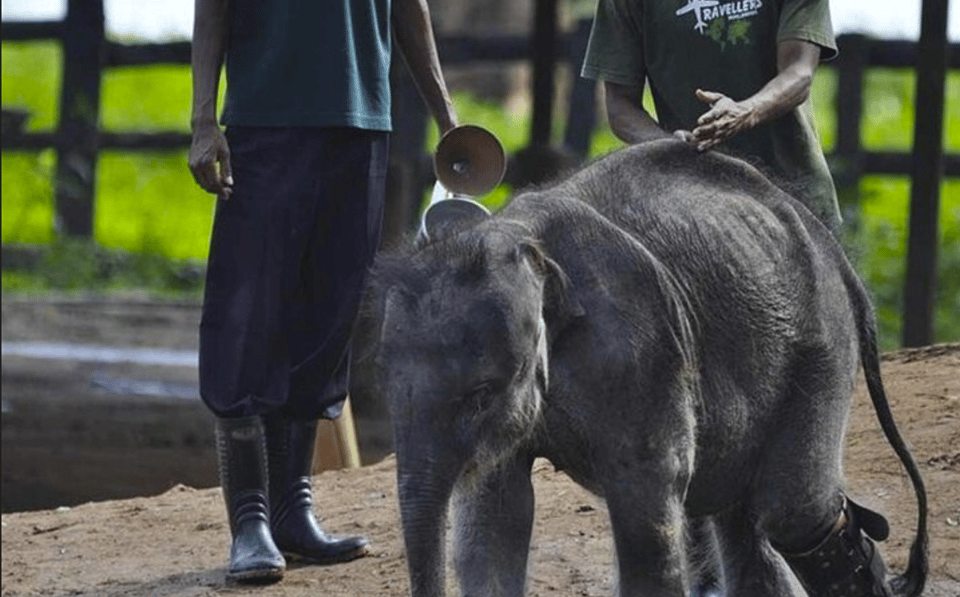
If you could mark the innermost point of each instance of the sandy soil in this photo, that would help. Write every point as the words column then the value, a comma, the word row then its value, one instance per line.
column 175, row 544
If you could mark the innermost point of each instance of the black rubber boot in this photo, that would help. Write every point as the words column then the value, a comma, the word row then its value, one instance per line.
column 241, row 447
column 297, row 532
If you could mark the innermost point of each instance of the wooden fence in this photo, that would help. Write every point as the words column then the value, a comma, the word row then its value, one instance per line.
column 78, row 138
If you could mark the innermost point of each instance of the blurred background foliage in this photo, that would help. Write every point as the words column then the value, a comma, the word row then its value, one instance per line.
column 152, row 222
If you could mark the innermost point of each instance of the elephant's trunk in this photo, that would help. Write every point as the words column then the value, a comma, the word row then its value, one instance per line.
column 425, row 480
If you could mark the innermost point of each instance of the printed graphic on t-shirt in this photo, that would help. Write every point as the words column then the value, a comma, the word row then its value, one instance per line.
column 724, row 22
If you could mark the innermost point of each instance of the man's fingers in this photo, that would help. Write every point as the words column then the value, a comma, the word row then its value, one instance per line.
column 717, row 111
column 708, row 97
column 708, row 117
column 212, row 180
column 705, row 131
column 226, row 170
column 206, row 177
column 685, row 136
column 226, row 187
column 704, row 146
column 706, row 137
column 209, row 179
column 226, row 179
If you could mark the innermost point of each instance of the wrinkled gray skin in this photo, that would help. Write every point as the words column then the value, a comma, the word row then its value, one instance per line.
column 667, row 327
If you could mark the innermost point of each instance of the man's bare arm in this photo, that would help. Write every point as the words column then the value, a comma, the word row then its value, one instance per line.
column 414, row 34
column 209, row 155
column 628, row 120
column 796, row 62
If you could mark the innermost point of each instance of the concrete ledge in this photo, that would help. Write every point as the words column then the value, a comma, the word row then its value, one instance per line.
column 81, row 422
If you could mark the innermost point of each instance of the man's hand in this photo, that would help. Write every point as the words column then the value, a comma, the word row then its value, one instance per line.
column 796, row 62
column 210, row 160
column 724, row 119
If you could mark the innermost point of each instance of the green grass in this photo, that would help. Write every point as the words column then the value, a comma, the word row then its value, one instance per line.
column 148, row 98
column 879, row 253
column 27, row 197
column 148, row 205
column 31, row 79
column 83, row 267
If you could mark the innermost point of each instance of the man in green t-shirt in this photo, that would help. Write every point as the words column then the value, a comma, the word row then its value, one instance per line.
column 734, row 75
column 300, row 174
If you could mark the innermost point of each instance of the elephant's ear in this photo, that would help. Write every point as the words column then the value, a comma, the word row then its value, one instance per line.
column 560, row 305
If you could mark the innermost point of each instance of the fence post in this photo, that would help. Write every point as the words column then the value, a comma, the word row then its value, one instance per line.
column 78, row 129
column 921, row 278
column 544, row 63
column 848, row 159
column 582, row 117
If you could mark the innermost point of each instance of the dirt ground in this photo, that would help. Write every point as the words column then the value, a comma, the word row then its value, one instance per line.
column 175, row 544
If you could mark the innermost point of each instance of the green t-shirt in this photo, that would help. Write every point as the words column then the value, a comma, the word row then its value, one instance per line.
column 728, row 47
column 297, row 63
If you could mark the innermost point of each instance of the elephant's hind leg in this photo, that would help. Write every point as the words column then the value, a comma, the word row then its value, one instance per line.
column 752, row 568
column 798, row 497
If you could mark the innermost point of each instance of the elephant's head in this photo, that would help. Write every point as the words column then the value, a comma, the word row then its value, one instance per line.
column 462, row 358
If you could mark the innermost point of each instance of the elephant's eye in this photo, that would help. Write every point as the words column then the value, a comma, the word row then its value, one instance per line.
column 481, row 390
column 480, row 394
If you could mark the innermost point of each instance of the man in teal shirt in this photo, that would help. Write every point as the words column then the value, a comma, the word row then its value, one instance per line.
column 300, row 175
column 735, row 75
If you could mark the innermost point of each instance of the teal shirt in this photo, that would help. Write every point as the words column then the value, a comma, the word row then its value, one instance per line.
column 729, row 46
column 322, row 63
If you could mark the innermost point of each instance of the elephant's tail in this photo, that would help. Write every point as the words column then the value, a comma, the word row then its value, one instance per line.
column 911, row 583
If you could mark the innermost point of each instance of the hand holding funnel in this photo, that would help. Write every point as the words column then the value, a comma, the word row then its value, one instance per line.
column 469, row 162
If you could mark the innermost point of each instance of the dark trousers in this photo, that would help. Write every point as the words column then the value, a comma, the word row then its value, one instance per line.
column 288, row 258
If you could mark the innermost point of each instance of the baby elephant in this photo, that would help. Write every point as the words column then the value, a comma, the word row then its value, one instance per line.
column 677, row 334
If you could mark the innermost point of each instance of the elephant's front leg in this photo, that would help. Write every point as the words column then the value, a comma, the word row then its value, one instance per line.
column 493, row 523
column 649, row 533
column 704, row 550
